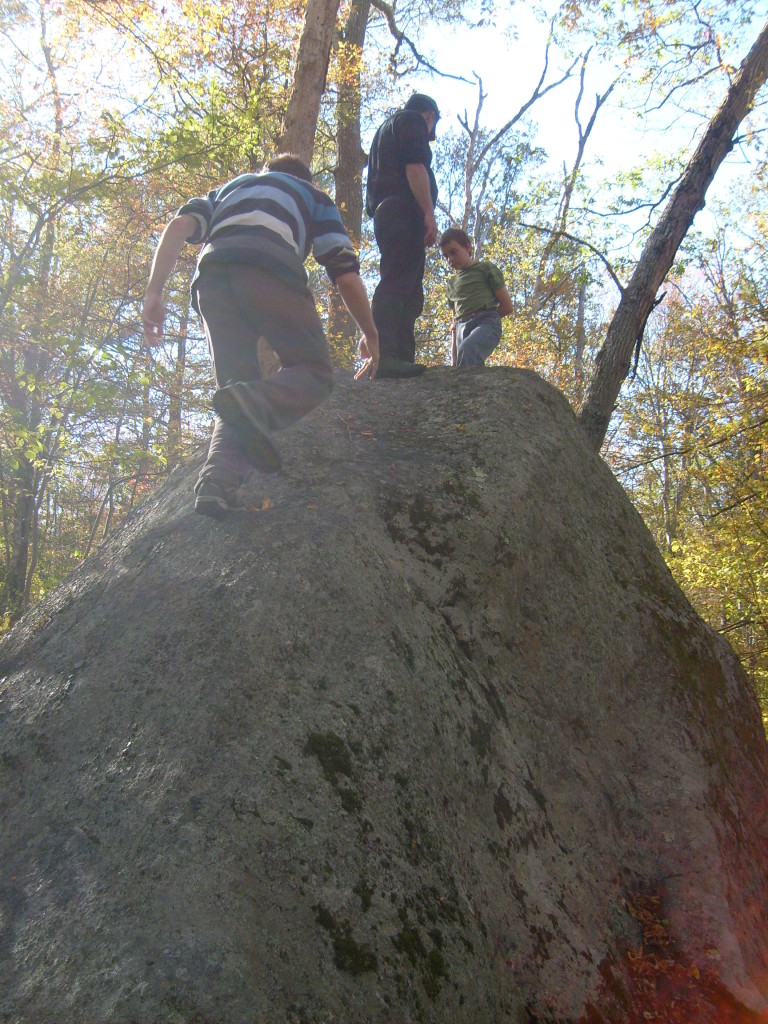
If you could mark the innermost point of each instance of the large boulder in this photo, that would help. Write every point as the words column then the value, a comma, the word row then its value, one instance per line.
column 427, row 734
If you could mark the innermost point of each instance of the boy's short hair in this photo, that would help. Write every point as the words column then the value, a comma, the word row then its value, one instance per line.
column 289, row 163
column 456, row 235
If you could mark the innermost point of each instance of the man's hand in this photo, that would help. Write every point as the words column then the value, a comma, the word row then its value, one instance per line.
column 369, row 353
column 430, row 229
column 153, row 317
column 418, row 182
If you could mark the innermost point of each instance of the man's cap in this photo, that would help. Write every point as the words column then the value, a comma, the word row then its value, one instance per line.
column 422, row 103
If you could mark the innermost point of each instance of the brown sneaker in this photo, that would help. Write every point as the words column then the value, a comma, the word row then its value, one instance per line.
column 213, row 500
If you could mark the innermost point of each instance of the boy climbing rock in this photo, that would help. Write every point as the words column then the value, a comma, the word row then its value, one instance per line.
column 257, row 230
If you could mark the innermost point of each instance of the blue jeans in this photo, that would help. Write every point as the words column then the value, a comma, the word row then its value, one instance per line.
column 477, row 337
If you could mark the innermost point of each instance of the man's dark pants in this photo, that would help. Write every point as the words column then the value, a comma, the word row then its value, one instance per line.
column 239, row 304
column 398, row 224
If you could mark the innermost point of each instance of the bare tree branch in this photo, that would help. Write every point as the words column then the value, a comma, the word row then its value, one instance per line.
column 401, row 38
column 692, row 449
column 570, row 179
column 559, row 233
column 539, row 91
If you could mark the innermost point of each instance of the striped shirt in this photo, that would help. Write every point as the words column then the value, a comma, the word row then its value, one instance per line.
column 272, row 220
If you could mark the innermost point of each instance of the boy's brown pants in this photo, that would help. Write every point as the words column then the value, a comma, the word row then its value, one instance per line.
column 239, row 304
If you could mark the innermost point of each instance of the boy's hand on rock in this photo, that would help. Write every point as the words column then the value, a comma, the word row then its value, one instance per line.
column 369, row 353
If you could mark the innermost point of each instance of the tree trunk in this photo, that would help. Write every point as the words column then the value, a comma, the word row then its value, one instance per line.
column 176, row 397
column 309, row 80
column 350, row 160
column 14, row 598
column 12, row 605
column 26, row 402
column 348, row 173
column 614, row 359
column 581, row 332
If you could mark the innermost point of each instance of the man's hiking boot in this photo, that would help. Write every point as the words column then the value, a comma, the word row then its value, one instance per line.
column 391, row 367
column 213, row 500
column 234, row 404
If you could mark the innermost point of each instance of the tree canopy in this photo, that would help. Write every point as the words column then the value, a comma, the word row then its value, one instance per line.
column 116, row 112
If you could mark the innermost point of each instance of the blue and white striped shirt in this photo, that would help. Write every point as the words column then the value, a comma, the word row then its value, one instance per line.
column 272, row 220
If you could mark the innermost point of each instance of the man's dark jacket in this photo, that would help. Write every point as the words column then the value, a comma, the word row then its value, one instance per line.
column 402, row 139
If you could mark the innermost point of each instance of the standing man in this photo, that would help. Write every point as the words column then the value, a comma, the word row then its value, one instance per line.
column 400, row 196
column 250, row 281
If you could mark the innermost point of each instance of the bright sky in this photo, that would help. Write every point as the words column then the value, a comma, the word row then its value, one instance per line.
column 510, row 69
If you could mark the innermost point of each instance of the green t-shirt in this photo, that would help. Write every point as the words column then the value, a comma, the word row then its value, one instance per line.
column 472, row 289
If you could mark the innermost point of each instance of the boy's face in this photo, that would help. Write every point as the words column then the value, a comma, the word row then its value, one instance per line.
column 458, row 255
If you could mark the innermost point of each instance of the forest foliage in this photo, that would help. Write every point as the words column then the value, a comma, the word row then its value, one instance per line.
column 115, row 112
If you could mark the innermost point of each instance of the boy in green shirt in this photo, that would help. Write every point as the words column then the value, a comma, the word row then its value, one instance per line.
column 478, row 298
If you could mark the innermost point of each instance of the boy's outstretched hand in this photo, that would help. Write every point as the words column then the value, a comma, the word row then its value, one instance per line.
column 369, row 353
column 168, row 250
column 153, row 317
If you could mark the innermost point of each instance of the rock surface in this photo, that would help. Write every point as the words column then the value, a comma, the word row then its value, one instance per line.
column 397, row 744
